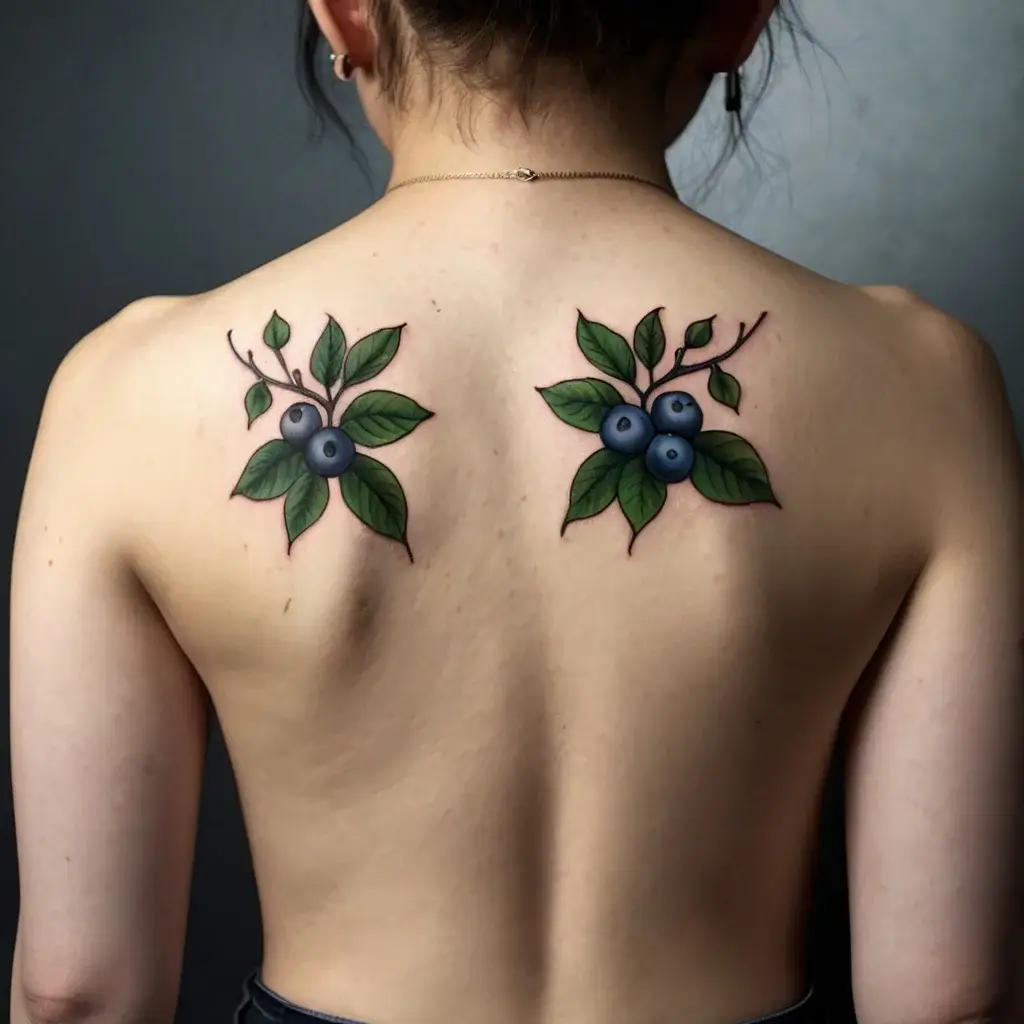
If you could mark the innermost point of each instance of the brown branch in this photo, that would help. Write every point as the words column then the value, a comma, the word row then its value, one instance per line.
column 297, row 388
column 284, row 365
column 681, row 371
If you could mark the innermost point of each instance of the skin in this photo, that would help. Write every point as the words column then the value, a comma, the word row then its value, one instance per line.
column 508, row 782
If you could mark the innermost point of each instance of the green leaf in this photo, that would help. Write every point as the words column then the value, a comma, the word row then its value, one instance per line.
column 725, row 388
column 258, row 400
column 376, row 498
column 594, row 486
column 728, row 470
column 328, row 354
column 581, row 403
column 371, row 354
column 607, row 350
column 649, row 339
column 700, row 333
column 382, row 417
column 641, row 497
column 305, row 504
column 277, row 333
column 270, row 472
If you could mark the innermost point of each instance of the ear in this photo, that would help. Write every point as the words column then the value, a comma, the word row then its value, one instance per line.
column 345, row 25
column 733, row 33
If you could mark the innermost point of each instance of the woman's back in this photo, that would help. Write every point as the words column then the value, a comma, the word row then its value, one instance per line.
column 534, row 776
column 530, row 697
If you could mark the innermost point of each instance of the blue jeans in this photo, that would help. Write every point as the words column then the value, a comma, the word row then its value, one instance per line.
column 261, row 1006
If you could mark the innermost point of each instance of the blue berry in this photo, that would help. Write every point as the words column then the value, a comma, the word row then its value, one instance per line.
column 330, row 452
column 300, row 422
column 669, row 458
column 626, row 429
column 677, row 413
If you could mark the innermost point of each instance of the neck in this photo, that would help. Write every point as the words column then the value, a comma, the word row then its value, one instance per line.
column 576, row 133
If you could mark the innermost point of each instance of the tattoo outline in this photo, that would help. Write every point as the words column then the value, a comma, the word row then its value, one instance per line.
column 647, row 447
column 313, row 448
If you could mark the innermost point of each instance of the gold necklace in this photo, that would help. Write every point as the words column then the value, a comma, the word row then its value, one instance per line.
column 526, row 174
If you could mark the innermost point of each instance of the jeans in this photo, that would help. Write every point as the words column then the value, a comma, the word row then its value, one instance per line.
column 261, row 1006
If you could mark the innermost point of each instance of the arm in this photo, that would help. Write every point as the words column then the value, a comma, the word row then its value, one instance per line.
column 108, row 728
column 936, row 775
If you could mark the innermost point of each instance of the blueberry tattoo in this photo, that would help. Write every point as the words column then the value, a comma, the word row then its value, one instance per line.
column 330, row 452
column 300, row 423
column 314, row 449
column 669, row 459
column 677, row 413
column 648, row 446
column 626, row 429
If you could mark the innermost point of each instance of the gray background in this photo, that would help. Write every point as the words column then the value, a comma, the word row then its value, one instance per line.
column 896, row 160
column 156, row 148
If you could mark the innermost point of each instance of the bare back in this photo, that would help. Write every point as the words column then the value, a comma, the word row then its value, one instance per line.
column 492, row 769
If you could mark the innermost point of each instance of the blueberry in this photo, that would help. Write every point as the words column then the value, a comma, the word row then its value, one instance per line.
column 670, row 458
column 677, row 413
column 330, row 452
column 300, row 422
column 626, row 429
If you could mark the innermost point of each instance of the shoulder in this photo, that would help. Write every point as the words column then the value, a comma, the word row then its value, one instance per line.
column 102, row 356
column 960, row 368
column 968, row 438
column 951, row 345
column 95, row 405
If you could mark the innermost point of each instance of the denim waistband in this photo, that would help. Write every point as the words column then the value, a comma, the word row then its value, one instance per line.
column 260, row 1005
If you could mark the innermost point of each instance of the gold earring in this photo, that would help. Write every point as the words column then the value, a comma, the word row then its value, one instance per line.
column 343, row 67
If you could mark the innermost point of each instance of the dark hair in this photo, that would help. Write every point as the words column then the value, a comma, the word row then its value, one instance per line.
column 599, row 37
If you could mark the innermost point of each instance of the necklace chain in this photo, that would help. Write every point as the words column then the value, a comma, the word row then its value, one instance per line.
column 526, row 174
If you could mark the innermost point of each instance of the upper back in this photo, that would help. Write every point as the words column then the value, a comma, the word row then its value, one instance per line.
column 817, row 434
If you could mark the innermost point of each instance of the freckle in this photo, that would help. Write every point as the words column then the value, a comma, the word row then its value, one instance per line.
column 46, row 529
column 495, row 450
column 287, row 605
column 523, row 498
column 50, row 562
column 501, row 535
column 245, row 547
column 458, row 609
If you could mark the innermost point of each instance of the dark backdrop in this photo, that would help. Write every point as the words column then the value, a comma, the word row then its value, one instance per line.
column 163, row 148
